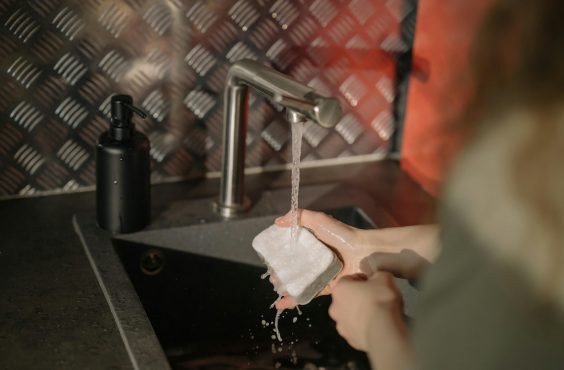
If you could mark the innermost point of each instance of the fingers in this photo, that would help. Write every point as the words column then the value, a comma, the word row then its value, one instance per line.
column 305, row 218
column 381, row 286
column 325, row 291
column 289, row 302
column 326, row 228
column 286, row 220
column 381, row 261
column 406, row 264
column 285, row 303
column 350, row 340
column 350, row 312
column 343, row 286
column 367, row 312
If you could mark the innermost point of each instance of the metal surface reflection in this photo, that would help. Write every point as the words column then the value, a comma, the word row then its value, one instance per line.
column 61, row 60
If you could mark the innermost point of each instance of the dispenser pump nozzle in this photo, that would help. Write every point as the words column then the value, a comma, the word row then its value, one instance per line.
column 122, row 110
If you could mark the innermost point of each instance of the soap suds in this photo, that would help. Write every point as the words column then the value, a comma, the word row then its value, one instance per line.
column 295, row 271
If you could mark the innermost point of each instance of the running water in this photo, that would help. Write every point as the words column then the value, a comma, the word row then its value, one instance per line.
column 297, row 133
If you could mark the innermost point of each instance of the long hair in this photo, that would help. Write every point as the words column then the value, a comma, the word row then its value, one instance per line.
column 519, row 52
column 519, row 64
column 509, row 181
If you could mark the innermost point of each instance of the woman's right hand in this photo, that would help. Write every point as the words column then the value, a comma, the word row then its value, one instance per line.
column 403, row 251
column 340, row 237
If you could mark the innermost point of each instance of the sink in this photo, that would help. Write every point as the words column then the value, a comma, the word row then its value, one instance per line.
column 212, row 309
column 188, row 293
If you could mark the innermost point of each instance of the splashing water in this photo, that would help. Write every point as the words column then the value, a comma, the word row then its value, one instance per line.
column 297, row 133
column 276, row 330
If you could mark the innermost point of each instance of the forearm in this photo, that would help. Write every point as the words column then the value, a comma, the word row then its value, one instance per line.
column 421, row 239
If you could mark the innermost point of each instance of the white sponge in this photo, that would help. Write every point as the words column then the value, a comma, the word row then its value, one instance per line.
column 301, row 270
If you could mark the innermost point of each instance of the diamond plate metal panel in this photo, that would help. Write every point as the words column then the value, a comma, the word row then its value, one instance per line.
column 60, row 61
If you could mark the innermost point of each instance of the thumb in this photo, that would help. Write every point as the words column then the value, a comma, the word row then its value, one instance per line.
column 380, row 261
column 406, row 264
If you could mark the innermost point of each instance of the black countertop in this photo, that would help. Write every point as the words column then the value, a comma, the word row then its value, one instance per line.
column 53, row 314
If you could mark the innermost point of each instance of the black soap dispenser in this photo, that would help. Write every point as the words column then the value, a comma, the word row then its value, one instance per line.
column 123, row 188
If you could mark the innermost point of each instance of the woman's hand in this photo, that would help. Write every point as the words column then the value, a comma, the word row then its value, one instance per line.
column 341, row 238
column 369, row 315
column 403, row 251
column 405, row 264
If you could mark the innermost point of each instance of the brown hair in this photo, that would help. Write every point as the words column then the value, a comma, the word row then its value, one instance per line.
column 519, row 62
column 519, row 53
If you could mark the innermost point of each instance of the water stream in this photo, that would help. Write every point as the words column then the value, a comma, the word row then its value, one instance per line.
column 297, row 134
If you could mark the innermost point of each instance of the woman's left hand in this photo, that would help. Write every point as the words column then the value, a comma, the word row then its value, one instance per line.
column 369, row 315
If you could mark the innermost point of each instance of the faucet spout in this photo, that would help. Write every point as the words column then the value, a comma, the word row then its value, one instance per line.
column 300, row 101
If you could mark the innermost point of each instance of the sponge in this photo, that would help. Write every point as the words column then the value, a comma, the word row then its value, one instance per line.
column 300, row 271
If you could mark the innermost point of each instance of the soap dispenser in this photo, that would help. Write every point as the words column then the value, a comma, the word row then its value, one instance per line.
column 123, row 198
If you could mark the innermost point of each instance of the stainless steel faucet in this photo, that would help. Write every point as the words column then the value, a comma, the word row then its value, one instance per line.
column 301, row 102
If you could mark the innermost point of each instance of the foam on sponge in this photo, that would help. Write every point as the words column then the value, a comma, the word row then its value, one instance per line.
column 300, row 271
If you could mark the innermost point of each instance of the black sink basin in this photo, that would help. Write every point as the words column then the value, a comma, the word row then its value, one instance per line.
column 210, row 309
column 186, row 293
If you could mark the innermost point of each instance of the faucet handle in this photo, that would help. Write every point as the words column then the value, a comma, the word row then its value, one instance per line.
column 324, row 111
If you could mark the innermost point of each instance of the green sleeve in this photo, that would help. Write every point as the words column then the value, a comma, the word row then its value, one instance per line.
column 477, row 312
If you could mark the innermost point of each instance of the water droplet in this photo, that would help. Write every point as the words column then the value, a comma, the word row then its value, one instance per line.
column 276, row 330
column 115, row 182
column 121, row 158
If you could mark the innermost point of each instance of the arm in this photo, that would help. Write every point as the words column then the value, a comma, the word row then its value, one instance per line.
column 421, row 239
column 404, row 251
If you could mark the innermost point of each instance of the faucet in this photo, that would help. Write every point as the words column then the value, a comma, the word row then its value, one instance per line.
column 301, row 102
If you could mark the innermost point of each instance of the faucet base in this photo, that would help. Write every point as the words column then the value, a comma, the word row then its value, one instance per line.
column 234, row 210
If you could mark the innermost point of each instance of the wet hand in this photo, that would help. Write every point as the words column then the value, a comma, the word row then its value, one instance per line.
column 360, row 307
column 341, row 238
column 402, row 251
column 405, row 264
column 369, row 315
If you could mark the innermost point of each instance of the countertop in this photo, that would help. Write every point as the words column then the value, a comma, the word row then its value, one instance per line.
column 53, row 314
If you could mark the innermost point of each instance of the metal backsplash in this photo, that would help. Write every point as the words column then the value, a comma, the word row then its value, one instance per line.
column 60, row 60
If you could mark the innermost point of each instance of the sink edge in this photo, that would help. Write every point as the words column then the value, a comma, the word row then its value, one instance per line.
column 143, row 348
